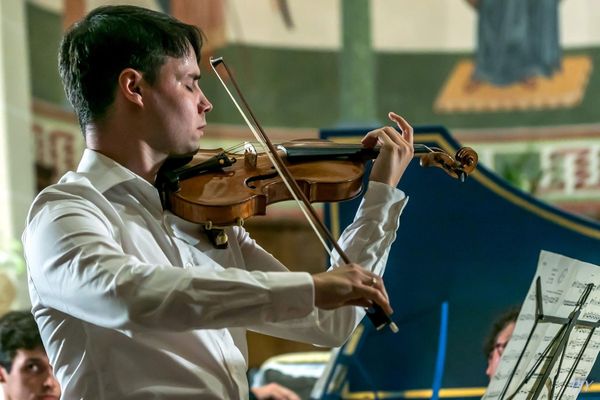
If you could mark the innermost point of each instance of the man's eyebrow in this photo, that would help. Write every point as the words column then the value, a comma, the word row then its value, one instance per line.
column 38, row 359
column 195, row 76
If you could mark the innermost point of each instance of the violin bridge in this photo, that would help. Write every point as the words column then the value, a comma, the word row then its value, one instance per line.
column 250, row 157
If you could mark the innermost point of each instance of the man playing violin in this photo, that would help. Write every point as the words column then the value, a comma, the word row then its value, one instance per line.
column 133, row 302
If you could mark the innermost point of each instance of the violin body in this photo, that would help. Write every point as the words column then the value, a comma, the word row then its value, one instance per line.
column 231, row 194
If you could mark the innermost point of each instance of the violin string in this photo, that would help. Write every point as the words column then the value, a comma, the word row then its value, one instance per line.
column 235, row 148
column 429, row 149
column 240, row 147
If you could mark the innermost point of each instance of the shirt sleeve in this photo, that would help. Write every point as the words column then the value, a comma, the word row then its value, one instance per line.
column 76, row 266
column 366, row 241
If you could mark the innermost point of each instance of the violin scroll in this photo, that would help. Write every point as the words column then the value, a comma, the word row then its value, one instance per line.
column 459, row 166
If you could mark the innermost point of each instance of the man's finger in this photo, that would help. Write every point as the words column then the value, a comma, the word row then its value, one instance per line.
column 376, row 295
column 404, row 126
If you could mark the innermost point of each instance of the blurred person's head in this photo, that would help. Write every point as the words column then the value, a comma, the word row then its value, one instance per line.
column 25, row 372
column 497, row 339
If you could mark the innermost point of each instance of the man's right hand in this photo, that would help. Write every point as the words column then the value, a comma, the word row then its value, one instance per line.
column 350, row 285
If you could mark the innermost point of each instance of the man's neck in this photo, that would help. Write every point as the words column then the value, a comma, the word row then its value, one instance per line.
column 125, row 149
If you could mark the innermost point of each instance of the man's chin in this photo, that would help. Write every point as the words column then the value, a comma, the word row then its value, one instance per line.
column 189, row 153
column 185, row 152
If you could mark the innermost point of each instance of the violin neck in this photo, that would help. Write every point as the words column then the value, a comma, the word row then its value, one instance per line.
column 307, row 151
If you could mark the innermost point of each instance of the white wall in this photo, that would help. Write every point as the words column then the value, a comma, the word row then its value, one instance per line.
column 258, row 22
column 16, row 142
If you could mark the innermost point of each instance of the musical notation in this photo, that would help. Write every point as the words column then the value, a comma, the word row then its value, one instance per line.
column 563, row 281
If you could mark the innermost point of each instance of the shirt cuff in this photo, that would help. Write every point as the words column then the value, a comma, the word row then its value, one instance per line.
column 381, row 201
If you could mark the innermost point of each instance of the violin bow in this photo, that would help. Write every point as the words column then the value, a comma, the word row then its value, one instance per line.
column 375, row 313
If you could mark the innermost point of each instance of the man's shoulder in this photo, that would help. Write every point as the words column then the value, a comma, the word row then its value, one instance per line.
column 72, row 185
column 72, row 190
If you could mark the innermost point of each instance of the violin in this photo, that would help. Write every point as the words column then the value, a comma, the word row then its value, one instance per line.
column 220, row 188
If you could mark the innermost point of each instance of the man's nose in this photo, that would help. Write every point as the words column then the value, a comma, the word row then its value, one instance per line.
column 488, row 370
column 492, row 364
column 204, row 105
column 50, row 381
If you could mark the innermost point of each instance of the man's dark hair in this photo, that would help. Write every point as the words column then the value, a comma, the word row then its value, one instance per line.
column 500, row 323
column 18, row 330
column 109, row 39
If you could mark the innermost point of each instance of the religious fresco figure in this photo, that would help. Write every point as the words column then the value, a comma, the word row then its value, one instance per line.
column 517, row 40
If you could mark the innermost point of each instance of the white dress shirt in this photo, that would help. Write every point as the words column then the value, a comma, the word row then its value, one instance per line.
column 135, row 303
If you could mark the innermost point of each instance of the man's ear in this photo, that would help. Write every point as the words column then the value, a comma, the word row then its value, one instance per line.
column 3, row 375
column 130, row 81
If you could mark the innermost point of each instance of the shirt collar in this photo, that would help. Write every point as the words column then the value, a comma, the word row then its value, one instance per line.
column 103, row 171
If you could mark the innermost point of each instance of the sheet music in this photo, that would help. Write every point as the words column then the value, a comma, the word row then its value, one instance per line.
column 563, row 281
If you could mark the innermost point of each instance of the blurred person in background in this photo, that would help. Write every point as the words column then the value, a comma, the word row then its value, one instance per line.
column 25, row 372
